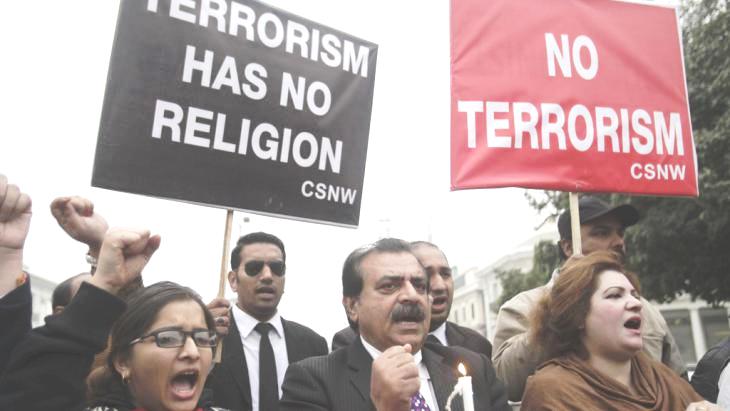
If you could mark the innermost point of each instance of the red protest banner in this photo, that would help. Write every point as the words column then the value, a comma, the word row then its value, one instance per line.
column 572, row 95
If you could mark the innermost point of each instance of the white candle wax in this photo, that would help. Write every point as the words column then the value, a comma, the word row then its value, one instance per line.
column 467, row 393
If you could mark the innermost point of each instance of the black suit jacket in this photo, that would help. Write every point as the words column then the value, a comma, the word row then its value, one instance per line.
column 455, row 335
column 340, row 381
column 229, row 380
column 15, row 317
column 467, row 338
column 48, row 368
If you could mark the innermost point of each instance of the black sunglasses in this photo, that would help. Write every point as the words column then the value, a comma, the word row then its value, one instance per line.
column 254, row 267
column 173, row 338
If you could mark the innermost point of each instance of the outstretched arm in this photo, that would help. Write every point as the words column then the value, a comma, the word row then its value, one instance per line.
column 76, row 216
column 513, row 357
column 48, row 370
column 123, row 255
column 15, row 213
column 15, row 297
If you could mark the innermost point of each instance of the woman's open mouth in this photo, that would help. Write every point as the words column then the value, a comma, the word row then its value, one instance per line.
column 184, row 383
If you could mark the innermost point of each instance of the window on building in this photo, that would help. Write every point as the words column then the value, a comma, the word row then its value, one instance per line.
column 456, row 316
column 473, row 312
column 681, row 327
column 715, row 325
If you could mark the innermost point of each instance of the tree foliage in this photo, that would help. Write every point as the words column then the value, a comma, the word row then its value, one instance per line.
column 682, row 245
column 514, row 281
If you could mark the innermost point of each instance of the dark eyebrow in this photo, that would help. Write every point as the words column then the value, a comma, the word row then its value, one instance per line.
column 400, row 278
column 619, row 288
column 172, row 327
column 602, row 226
column 390, row 278
column 175, row 328
column 157, row 330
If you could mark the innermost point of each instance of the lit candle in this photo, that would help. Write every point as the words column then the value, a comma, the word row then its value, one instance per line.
column 467, row 393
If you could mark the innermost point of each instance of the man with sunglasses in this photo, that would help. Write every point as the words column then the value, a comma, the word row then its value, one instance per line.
column 248, row 378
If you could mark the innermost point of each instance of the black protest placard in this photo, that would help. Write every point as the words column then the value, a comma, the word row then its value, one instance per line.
column 239, row 105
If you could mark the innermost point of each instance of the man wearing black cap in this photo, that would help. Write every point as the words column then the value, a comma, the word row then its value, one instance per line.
column 601, row 228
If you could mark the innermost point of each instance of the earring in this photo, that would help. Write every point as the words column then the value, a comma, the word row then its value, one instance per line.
column 126, row 378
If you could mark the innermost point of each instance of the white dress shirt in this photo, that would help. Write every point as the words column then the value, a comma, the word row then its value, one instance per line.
column 723, row 384
column 250, row 339
column 426, row 389
column 440, row 334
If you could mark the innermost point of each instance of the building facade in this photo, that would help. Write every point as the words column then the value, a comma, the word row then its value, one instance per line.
column 42, row 292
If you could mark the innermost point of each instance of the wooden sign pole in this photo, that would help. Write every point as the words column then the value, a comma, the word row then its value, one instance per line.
column 224, row 274
column 575, row 223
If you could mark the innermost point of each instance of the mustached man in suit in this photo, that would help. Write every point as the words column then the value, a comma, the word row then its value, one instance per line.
column 385, row 295
column 441, row 285
column 247, row 377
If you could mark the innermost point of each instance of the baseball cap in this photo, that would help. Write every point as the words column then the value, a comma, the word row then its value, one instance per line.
column 592, row 208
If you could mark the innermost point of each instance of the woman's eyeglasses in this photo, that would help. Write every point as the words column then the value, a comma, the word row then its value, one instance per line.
column 254, row 267
column 176, row 338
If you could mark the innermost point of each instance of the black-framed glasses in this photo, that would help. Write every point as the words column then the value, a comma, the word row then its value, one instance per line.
column 173, row 337
column 254, row 267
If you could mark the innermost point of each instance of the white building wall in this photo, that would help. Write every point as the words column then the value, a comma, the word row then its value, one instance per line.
column 42, row 292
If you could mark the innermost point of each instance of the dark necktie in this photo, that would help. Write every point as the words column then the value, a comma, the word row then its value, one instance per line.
column 418, row 403
column 268, row 384
column 431, row 339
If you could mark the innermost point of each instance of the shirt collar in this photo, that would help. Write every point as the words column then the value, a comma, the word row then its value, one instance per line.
column 440, row 333
column 246, row 322
column 375, row 353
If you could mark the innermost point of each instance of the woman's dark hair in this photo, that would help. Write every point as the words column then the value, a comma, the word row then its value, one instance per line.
column 557, row 322
column 143, row 306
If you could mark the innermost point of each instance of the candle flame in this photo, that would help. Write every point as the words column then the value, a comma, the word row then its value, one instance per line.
column 462, row 369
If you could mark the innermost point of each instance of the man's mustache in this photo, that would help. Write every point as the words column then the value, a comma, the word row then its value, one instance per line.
column 408, row 312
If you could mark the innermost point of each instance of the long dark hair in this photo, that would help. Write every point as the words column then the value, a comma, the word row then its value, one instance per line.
column 142, row 309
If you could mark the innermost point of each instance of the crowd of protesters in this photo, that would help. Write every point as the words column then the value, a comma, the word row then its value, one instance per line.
column 586, row 340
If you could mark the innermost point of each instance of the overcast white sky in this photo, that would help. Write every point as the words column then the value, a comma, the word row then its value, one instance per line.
column 55, row 57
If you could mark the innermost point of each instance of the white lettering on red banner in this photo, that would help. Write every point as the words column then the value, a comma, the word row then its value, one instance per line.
column 569, row 95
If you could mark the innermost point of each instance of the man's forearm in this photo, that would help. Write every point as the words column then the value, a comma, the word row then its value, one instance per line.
column 11, row 268
column 513, row 363
column 513, row 357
